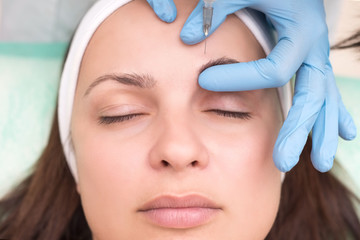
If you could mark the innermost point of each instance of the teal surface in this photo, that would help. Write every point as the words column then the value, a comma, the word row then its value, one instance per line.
column 348, row 153
column 29, row 78
column 33, row 50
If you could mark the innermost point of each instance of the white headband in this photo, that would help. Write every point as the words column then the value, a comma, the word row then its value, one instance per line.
column 255, row 21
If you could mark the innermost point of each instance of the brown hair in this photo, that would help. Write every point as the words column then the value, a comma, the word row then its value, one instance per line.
column 350, row 42
column 46, row 204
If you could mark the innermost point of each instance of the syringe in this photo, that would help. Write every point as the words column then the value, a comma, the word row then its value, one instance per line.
column 207, row 16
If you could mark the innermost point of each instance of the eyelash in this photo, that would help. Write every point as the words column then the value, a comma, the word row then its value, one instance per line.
column 116, row 119
column 229, row 114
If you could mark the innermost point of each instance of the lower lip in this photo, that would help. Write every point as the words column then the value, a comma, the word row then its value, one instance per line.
column 180, row 217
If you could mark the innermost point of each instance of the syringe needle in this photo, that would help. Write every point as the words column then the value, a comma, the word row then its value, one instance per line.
column 205, row 47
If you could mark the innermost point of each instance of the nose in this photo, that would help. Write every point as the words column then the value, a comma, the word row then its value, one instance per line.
column 178, row 147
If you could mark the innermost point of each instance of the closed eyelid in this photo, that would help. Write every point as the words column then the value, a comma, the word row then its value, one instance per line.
column 230, row 99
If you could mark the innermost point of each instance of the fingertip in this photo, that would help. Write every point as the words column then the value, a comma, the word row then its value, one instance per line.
column 321, row 162
column 169, row 18
column 291, row 141
column 192, row 33
column 283, row 161
column 285, row 165
column 347, row 129
column 191, row 37
column 165, row 10
column 350, row 134
column 323, row 149
column 168, row 13
column 207, row 82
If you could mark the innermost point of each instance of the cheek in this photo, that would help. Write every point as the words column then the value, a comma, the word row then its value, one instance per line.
column 249, row 179
column 108, row 179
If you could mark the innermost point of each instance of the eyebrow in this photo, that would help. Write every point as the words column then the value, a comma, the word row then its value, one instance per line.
column 215, row 62
column 146, row 81
column 131, row 79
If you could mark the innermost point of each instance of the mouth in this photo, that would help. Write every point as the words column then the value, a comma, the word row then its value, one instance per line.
column 180, row 212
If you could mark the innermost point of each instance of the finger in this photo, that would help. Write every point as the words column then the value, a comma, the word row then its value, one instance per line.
column 347, row 127
column 274, row 71
column 308, row 99
column 325, row 131
column 193, row 33
column 164, row 9
column 346, row 124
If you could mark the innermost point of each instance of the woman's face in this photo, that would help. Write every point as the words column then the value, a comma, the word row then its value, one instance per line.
column 142, row 128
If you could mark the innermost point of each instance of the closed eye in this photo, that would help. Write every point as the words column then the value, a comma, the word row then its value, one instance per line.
column 117, row 119
column 230, row 114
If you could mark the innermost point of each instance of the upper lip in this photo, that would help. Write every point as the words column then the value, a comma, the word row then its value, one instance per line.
column 188, row 201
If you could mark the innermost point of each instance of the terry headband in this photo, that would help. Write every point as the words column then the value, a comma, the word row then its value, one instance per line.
column 102, row 9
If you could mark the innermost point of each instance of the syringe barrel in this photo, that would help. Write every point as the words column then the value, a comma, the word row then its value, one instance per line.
column 208, row 3
column 207, row 15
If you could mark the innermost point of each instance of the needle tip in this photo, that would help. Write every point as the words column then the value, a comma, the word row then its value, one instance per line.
column 206, row 30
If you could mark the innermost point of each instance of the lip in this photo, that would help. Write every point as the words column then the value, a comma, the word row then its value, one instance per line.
column 180, row 212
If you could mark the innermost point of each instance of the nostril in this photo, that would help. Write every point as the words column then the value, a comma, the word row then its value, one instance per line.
column 164, row 163
column 194, row 163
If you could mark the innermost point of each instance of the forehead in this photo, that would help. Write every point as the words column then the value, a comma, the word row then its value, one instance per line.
column 133, row 39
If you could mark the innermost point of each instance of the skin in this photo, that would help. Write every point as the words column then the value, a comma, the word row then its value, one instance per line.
column 177, row 147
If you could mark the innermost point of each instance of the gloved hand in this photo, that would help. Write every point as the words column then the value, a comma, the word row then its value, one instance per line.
column 303, row 46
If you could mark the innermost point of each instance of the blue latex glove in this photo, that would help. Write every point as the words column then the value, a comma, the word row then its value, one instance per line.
column 164, row 9
column 303, row 47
